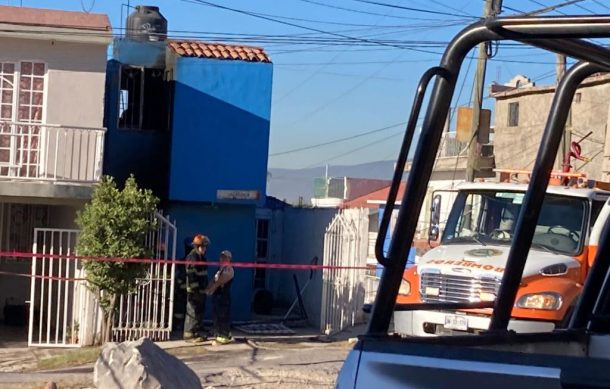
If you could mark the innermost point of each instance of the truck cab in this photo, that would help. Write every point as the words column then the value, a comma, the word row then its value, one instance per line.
column 468, row 265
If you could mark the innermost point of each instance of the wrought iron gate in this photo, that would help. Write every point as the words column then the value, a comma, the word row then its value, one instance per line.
column 149, row 311
column 345, row 244
column 64, row 313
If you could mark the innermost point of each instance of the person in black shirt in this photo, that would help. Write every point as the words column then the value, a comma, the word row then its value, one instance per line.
column 196, row 283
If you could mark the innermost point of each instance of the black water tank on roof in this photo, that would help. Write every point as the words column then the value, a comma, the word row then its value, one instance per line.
column 146, row 24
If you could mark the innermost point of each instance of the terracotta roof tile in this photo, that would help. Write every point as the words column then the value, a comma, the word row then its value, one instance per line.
column 54, row 18
column 218, row 51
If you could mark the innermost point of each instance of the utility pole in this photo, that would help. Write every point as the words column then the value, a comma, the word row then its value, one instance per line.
column 492, row 8
column 566, row 141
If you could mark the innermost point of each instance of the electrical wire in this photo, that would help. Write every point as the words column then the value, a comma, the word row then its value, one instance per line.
column 235, row 10
column 356, row 149
column 358, row 11
column 334, row 141
column 601, row 4
column 415, row 9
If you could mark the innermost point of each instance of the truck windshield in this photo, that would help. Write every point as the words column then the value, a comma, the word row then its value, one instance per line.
column 489, row 217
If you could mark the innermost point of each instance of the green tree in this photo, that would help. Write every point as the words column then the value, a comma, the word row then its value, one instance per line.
column 115, row 224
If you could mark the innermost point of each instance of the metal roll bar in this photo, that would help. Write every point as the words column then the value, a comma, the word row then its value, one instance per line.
column 536, row 191
column 402, row 160
column 544, row 32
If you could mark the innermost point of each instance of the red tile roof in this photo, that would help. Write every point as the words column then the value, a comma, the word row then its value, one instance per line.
column 54, row 18
column 218, row 51
column 378, row 195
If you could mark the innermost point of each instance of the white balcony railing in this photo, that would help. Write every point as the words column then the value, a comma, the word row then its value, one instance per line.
column 32, row 151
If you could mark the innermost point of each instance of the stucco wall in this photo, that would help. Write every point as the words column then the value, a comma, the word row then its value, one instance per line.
column 220, row 133
column 516, row 147
column 229, row 227
column 75, row 78
column 302, row 238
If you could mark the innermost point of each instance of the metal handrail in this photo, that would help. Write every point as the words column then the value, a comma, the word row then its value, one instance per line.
column 52, row 125
column 543, row 32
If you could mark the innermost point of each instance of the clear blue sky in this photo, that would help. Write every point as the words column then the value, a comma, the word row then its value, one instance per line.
column 327, row 86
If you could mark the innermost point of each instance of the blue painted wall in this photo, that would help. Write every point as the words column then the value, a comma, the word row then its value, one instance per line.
column 143, row 153
column 229, row 227
column 220, row 137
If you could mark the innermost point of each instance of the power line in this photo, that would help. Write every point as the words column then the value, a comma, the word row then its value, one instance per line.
column 210, row 4
column 337, row 140
column 555, row 7
column 406, row 61
column 414, row 9
column 314, row 74
column 601, row 4
column 450, row 7
column 358, row 11
column 356, row 149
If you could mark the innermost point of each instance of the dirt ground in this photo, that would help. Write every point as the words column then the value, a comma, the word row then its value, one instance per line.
column 246, row 364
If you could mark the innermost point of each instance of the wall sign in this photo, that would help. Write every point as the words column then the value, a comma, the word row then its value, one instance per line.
column 237, row 194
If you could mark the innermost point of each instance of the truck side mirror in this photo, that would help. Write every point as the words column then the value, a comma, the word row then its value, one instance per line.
column 435, row 219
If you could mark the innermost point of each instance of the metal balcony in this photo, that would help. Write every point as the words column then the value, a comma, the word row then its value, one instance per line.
column 44, row 152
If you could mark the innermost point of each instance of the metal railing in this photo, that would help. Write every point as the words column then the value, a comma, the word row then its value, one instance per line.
column 33, row 151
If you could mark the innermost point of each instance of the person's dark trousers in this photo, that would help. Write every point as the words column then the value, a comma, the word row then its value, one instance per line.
column 195, row 309
column 222, row 312
column 179, row 309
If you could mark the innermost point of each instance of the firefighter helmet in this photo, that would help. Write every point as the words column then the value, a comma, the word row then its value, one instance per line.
column 201, row 240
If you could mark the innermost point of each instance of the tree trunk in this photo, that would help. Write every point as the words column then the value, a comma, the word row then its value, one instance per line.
column 108, row 321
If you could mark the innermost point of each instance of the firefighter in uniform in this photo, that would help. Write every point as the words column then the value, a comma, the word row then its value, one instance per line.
column 180, row 291
column 220, row 289
column 196, row 283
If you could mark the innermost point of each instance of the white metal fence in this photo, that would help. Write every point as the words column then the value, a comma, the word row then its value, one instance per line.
column 50, row 152
column 64, row 313
column 149, row 311
column 345, row 244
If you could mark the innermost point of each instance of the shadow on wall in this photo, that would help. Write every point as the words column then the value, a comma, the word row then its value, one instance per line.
column 302, row 239
column 229, row 227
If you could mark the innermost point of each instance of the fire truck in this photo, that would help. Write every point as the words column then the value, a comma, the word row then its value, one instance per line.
column 468, row 265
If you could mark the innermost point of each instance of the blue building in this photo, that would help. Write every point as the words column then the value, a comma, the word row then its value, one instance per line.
column 191, row 121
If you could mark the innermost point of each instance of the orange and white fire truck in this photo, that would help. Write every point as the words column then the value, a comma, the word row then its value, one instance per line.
column 468, row 264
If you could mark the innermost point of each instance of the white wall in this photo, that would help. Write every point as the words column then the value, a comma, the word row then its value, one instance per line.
column 75, row 77
column 297, row 235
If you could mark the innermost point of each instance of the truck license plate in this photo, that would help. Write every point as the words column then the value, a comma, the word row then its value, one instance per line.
column 456, row 322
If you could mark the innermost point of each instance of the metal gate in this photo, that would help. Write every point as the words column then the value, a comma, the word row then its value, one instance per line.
column 62, row 309
column 345, row 244
column 149, row 311
column 64, row 313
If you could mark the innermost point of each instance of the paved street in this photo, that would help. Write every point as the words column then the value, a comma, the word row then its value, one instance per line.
column 247, row 365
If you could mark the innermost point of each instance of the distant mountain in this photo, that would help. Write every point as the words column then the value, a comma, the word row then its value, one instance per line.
column 290, row 184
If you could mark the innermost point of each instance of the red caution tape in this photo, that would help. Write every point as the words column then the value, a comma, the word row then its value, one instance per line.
column 248, row 265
